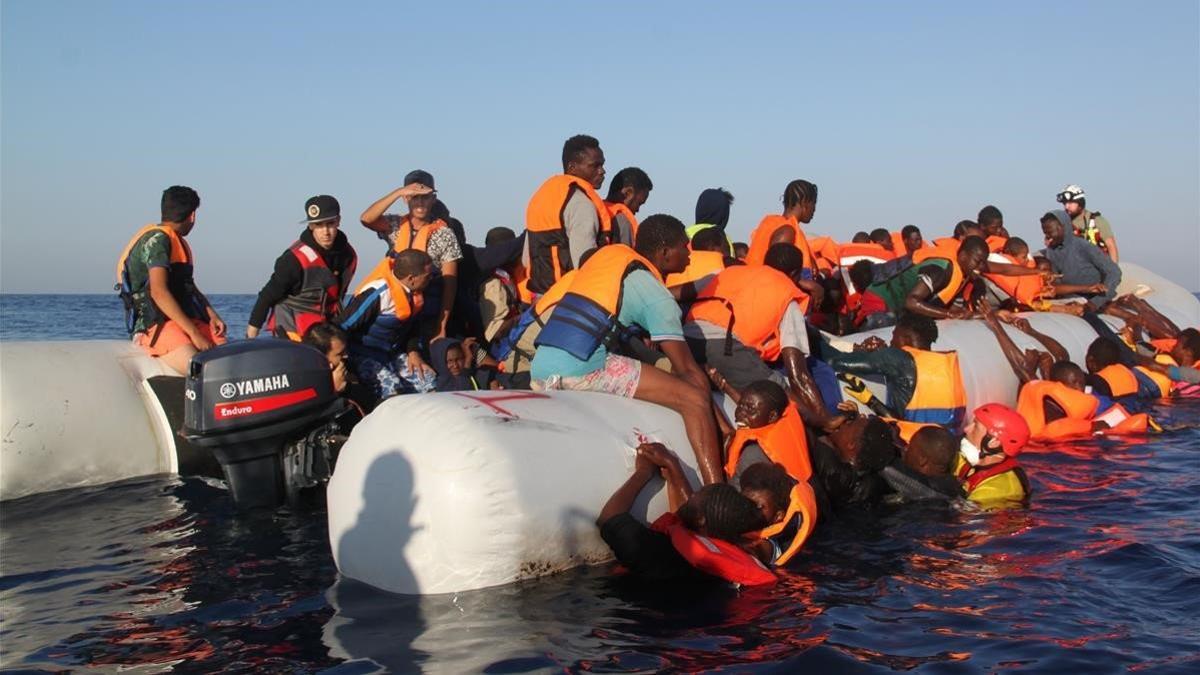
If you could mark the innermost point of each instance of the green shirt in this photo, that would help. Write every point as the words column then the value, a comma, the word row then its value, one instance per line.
column 1080, row 222
column 153, row 249
column 894, row 291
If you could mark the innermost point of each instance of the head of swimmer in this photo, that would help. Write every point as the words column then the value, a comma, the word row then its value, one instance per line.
column 914, row 330
column 931, row 451
column 661, row 239
column 867, row 444
column 413, row 268
column 762, row 403
column 722, row 512
column 769, row 486
column 1187, row 347
column 583, row 158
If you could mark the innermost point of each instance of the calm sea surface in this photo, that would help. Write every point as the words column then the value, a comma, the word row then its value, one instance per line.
column 1101, row 573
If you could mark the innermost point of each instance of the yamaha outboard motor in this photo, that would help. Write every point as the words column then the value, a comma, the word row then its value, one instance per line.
column 266, row 408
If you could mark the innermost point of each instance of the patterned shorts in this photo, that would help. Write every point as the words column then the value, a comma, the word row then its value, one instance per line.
column 619, row 376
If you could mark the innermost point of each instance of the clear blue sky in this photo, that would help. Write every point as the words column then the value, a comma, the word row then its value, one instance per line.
column 917, row 112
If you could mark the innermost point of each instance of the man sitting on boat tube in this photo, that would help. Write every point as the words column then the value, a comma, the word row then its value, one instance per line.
column 165, row 312
column 617, row 288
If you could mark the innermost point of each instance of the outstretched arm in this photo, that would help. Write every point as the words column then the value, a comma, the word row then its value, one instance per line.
column 1053, row 346
column 1024, row 370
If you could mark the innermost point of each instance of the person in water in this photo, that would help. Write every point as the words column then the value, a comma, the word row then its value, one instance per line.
column 620, row 288
column 987, row 459
column 704, row 536
column 1080, row 264
column 566, row 217
column 1110, row 377
column 166, row 314
column 935, row 280
column 767, row 427
column 848, row 463
column 310, row 277
column 922, row 385
column 1088, row 225
column 382, row 319
column 421, row 229
column 627, row 193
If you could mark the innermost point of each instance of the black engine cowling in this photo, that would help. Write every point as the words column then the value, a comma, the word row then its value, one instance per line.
column 252, row 402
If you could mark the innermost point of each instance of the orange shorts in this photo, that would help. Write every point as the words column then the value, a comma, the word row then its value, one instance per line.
column 172, row 337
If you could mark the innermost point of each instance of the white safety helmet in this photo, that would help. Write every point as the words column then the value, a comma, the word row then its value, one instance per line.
column 1071, row 193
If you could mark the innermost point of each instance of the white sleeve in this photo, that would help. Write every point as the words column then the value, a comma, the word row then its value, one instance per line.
column 793, row 332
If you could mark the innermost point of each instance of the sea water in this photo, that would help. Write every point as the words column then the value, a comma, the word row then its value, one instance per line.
column 1100, row 573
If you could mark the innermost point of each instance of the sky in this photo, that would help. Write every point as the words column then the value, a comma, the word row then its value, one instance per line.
column 914, row 112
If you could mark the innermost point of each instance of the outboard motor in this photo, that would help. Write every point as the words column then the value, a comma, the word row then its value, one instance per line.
column 267, row 410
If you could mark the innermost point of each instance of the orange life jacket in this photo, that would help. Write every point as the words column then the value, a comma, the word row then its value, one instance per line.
column 1079, row 407
column 802, row 502
column 180, row 283
column 760, row 240
column 1164, row 383
column 1023, row 289
column 957, row 278
column 319, row 298
column 939, row 397
column 825, row 253
column 749, row 300
column 549, row 246
column 408, row 236
column 996, row 243
column 586, row 316
column 782, row 441
column 948, row 243
column 906, row 428
column 390, row 327
column 848, row 254
column 619, row 208
column 1164, row 345
column 1121, row 380
column 702, row 264
column 714, row 556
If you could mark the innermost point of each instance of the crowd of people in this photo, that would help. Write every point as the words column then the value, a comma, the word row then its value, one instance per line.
column 591, row 298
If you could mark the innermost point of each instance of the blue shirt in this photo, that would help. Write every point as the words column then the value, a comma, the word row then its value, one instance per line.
column 645, row 302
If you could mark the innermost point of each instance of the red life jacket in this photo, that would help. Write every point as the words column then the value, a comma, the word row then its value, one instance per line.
column 319, row 298
column 714, row 556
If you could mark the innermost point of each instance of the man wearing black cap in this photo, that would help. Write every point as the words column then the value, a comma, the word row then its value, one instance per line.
column 310, row 277
column 422, row 230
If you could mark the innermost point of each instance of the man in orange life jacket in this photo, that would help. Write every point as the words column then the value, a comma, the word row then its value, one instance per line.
column 702, row 537
column 935, row 280
column 750, row 316
column 710, row 255
column 799, row 206
column 166, row 313
column 618, row 288
column 310, row 277
column 627, row 192
column 913, row 241
column 923, row 385
column 381, row 320
column 566, row 217
column 422, row 229
column 1110, row 377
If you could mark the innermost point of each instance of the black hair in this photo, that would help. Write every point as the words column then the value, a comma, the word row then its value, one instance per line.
column 974, row 244
column 321, row 335
column 1064, row 370
column 710, row 239
column 878, row 447
column 498, row 235
column 659, row 231
column 741, row 246
column 1049, row 217
column 772, row 393
column 1190, row 338
column 178, row 202
column 989, row 214
column 784, row 257
column 728, row 514
column 575, row 146
column 922, row 327
column 799, row 192
column 410, row 262
column 881, row 236
column 908, row 230
column 1015, row 244
column 938, row 445
column 631, row 177
column 860, row 237
column 862, row 273
column 1104, row 352
column 771, row 478
column 960, row 228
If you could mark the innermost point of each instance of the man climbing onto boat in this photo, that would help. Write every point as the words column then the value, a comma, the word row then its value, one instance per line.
column 566, row 216
column 935, row 280
column 620, row 288
column 310, row 277
column 165, row 312
column 1088, row 225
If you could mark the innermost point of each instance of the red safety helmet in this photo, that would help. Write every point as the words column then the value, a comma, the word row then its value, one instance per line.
column 1006, row 425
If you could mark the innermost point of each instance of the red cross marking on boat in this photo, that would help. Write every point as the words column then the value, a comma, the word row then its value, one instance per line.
column 491, row 401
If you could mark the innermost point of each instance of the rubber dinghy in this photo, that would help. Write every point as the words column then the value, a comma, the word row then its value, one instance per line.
column 443, row 493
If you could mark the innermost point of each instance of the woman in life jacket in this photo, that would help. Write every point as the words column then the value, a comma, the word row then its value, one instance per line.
column 987, row 459
column 704, row 535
